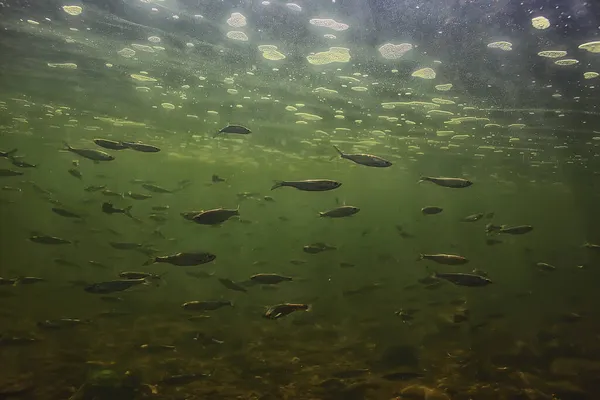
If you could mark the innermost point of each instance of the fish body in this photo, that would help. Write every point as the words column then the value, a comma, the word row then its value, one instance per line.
column 93, row 188
column 76, row 173
column 142, row 147
column 236, row 129
column 29, row 280
column 310, row 185
column 155, row 189
column 9, row 172
column 454, row 183
column 91, row 154
column 281, row 310
column 8, row 281
column 365, row 159
column 110, row 144
column 109, row 208
column 7, row 154
column 113, row 286
column 217, row 179
column 229, row 284
column 339, row 212
column 185, row 259
column 160, row 208
column 17, row 162
column 110, row 193
column 315, row 248
column 65, row 213
column 592, row 246
column 447, row 259
column 269, row 279
column 125, row 245
column 138, row 275
column 510, row 230
column 464, row 279
column 431, row 210
column 44, row 239
column 138, row 196
column 154, row 348
column 472, row 217
column 545, row 266
column 208, row 305
column 157, row 217
column 216, row 216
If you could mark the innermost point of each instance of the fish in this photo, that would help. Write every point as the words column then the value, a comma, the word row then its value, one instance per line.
column 142, row 147
column 17, row 162
column 339, row 212
column 207, row 305
column 591, row 246
column 9, row 172
column 62, row 323
column 182, row 379
column 76, row 173
column 216, row 216
column 11, row 189
column 310, row 185
column 492, row 241
column 160, row 208
column 110, row 144
column 270, row 279
column 217, row 179
column 125, row 245
column 281, row 310
column 97, row 264
column 318, row 247
column 138, row 196
column 139, row 275
column 65, row 213
column 110, row 193
column 8, row 154
column 448, row 259
column 44, row 239
column 29, row 280
column 511, row 230
column 184, row 259
column 109, row 208
column 365, row 159
column 229, row 284
column 237, row 129
column 431, row 210
column 93, row 188
column 545, row 266
column 155, row 189
column 347, row 265
column 91, row 154
column 154, row 348
column 269, row 199
column 113, row 286
column 461, row 279
column 157, row 217
column 472, row 217
column 454, row 183
column 199, row 274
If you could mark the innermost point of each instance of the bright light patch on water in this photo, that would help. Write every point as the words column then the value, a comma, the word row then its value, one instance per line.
column 566, row 61
column 63, row 65
column 443, row 88
column 391, row 51
column 335, row 54
column 308, row 117
column 72, row 10
column 236, row 20
column 126, row 52
column 540, row 23
column 424, row 73
column 237, row 35
column 552, row 53
column 592, row 47
column 590, row 75
column 329, row 23
column 143, row 78
column 502, row 45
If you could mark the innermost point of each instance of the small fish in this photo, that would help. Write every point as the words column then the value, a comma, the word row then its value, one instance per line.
column 139, row 275
column 62, row 323
column 182, row 379
column 113, row 286
column 11, row 189
column 91, row 154
column 7, row 154
column 44, row 239
column 464, row 279
column 155, row 189
column 217, row 179
column 155, row 348
column 448, row 259
column 110, row 144
column 8, row 281
column 97, row 264
column 511, row 230
column 492, row 241
column 199, row 274
column 9, row 172
column 339, row 212
column 93, row 188
column 157, row 217
column 29, row 280
column 138, row 196
column 184, row 259
column 347, row 265
column 237, row 129
column 269, row 199
column 216, row 216
column 311, row 185
column 545, row 266
column 591, row 246
column 229, row 284
column 108, row 208
column 270, row 279
column 364, row 159
column 431, row 210
column 125, row 245
column 65, row 213
column 281, row 310
column 318, row 247
column 472, row 217
column 208, row 305
column 37, row 188
column 76, row 173
column 298, row 262
column 17, row 162
column 142, row 147
column 110, row 193
column 160, row 208
column 454, row 183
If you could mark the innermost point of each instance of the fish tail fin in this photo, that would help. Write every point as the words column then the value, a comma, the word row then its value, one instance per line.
column 321, row 214
column 67, row 146
column 338, row 150
column 216, row 134
column 309, row 308
column 150, row 261
column 127, row 211
column 11, row 152
column 277, row 184
column 423, row 179
column 237, row 210
column 421, row 257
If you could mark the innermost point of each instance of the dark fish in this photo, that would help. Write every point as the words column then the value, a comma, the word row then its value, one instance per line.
column 209, row 305
column 448, row 259
column 142, row 147
column 139, row 275
column 311, row 185
column 7, row 154
column 269, row 279
column 339, row 212
column 217, row 179
column 318, row 247
column 110, row 144
column 37, row 188
column 11, row 189
column 93, row 188
column 237, row 129
column 216, row 216
column 9, row 172
column 184, row 259
column 160, row 208
column 155, row 189
column 138, row 196
column 125, row 245
column 431, row 210
column 447, row 182
column 44, row 239
column 91, row 154
column 281, row 310
column 15, row 341
column 113, row 286
column 17, row 162
column 347, row 265
column 365, row 159
column 229, row 284
column 29, row 280
column 76, row 173
column 65, row 213
column 492, row 241
column 464, row 279
column 108, row 208
column 472, row 218
column 182, row 379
